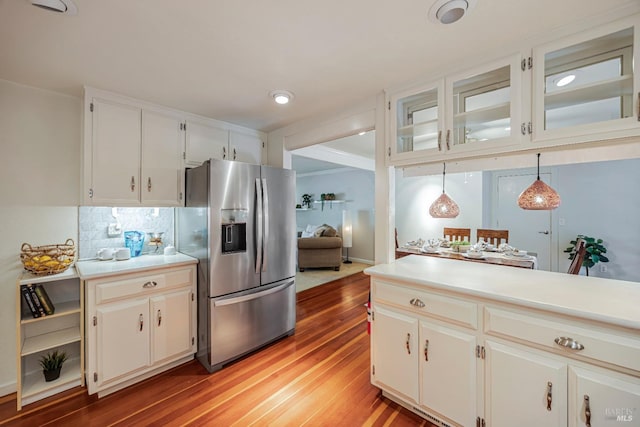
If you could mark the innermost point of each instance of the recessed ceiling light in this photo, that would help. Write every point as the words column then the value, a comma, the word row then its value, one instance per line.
column 281, row 96
column 566, row 80
column 450, row 11
column 61, row 6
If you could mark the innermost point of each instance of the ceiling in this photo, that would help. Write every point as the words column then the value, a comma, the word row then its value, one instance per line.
column 336, row 154
column 221, row 59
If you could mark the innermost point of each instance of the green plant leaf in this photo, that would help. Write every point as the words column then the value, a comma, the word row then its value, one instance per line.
column 604, row 258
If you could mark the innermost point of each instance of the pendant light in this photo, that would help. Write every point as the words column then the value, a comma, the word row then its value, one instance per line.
column 539, row 196
column 444, row 207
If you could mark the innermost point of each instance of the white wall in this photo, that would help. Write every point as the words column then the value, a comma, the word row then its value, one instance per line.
column 414, row 195
column 357, row 188
column 40, row 172
column 602, row 200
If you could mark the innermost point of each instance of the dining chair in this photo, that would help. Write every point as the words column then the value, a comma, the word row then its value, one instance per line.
column 494, row 237
column 576, row 264
column 453, row 234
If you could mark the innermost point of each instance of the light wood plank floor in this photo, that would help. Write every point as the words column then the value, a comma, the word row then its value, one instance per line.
column 317, row 377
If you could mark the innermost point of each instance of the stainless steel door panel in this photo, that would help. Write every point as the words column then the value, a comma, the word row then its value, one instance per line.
column 246, row 321
column 280, row 224
column 231, row 186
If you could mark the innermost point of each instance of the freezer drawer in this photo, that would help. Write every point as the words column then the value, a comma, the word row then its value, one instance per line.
column 245, row 321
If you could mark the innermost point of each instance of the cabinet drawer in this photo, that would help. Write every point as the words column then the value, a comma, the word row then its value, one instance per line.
column 612, row 347
column 451, row 309
column 143, row 283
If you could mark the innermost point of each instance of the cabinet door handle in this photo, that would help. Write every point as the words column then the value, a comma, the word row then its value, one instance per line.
column 408, row 343
column 150, row 284
column 416, row 302
column 523, row 126
column 440, row 139
column 159, row 317
column 569, row 343
column 141, row 321
column 149, row 184
column 587, row 411
column 426, row 350
column 133, row 184
column 234, row 154
column 224, row 153
column 549, row 386
column 448, row 139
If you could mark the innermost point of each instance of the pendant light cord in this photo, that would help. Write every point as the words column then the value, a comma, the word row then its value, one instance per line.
column 538, row 166
column 444, row 169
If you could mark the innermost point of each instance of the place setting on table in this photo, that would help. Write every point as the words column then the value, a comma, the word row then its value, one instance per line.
column 503, row 254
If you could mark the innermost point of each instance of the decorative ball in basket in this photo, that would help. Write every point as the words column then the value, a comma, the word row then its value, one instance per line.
column 49, row 259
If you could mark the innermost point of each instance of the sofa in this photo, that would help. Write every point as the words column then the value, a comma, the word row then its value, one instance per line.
column 322, row 249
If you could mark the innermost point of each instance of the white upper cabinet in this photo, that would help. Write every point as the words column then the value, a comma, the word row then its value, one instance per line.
column 135, row 152
column 162, row 148
column 463, row 113
column 580, row 88
column 135, row 155
column 205, row 141
column 212, row 140
column 584, row 85
column 245, row 147
column 112, row 172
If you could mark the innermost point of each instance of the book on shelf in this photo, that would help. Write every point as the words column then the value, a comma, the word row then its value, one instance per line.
column 36, row 300
column 26, row 294
column 45, row 301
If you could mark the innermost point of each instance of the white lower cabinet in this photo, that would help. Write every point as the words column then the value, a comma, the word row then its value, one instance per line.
column 459, row 360
column 396, row 352
column 138, row 325
column 524, row 388
column 603, row 398
column 448, row 378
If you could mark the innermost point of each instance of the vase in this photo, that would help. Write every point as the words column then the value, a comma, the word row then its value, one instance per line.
column 51, row 375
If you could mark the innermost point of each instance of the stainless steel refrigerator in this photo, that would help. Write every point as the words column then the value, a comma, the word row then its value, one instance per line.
column 239, row 221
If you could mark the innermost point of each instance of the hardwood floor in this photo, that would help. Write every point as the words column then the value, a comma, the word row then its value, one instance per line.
column 318, row 376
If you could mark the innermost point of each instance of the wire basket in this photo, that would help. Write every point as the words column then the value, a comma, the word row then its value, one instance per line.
column 49, row 259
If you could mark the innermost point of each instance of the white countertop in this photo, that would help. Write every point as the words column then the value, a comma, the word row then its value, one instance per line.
column 94, row 268
column 611, row 301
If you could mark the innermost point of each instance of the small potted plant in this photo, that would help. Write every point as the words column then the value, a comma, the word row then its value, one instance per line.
column 52, row 364
column 594, row 254
column 306, row 200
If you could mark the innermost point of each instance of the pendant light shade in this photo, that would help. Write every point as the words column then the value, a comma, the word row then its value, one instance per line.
column 444, row 207
column 539, row 196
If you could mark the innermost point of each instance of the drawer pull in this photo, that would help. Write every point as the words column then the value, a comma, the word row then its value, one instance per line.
column 549, row 385
column 426, row 350
column 408, row 343
column 150, row 285
column 587, row 411
column 569, row 343
column 141, row 321
column 416, row 302
column 159, row 317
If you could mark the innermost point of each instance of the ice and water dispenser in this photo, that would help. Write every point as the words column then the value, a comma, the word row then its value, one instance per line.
column 234, row 230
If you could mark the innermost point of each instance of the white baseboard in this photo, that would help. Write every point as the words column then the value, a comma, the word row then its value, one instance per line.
column 364, row 261
column 8, row 388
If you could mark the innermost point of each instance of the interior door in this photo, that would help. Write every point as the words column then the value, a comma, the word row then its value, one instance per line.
column 528, row 230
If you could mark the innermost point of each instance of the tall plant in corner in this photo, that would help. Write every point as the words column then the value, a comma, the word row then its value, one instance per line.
column 594, row 250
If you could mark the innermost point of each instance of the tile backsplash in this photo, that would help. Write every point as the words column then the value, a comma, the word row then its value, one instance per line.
column 94, row 223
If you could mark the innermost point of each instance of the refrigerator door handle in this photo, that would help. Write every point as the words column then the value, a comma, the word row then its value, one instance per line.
column 266, row 222
column 259, row 243
column 252, row 296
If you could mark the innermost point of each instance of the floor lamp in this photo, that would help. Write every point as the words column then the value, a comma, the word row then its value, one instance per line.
column 347, row 233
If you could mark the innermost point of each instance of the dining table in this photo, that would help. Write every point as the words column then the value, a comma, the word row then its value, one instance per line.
column 488, row 257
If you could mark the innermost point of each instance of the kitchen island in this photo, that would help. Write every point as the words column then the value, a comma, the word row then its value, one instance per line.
column 466, row 344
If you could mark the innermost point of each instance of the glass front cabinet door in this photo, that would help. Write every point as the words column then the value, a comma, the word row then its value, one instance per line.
column 484, row 107
column 478, row 110
column 585, row 88
column 417, row 121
